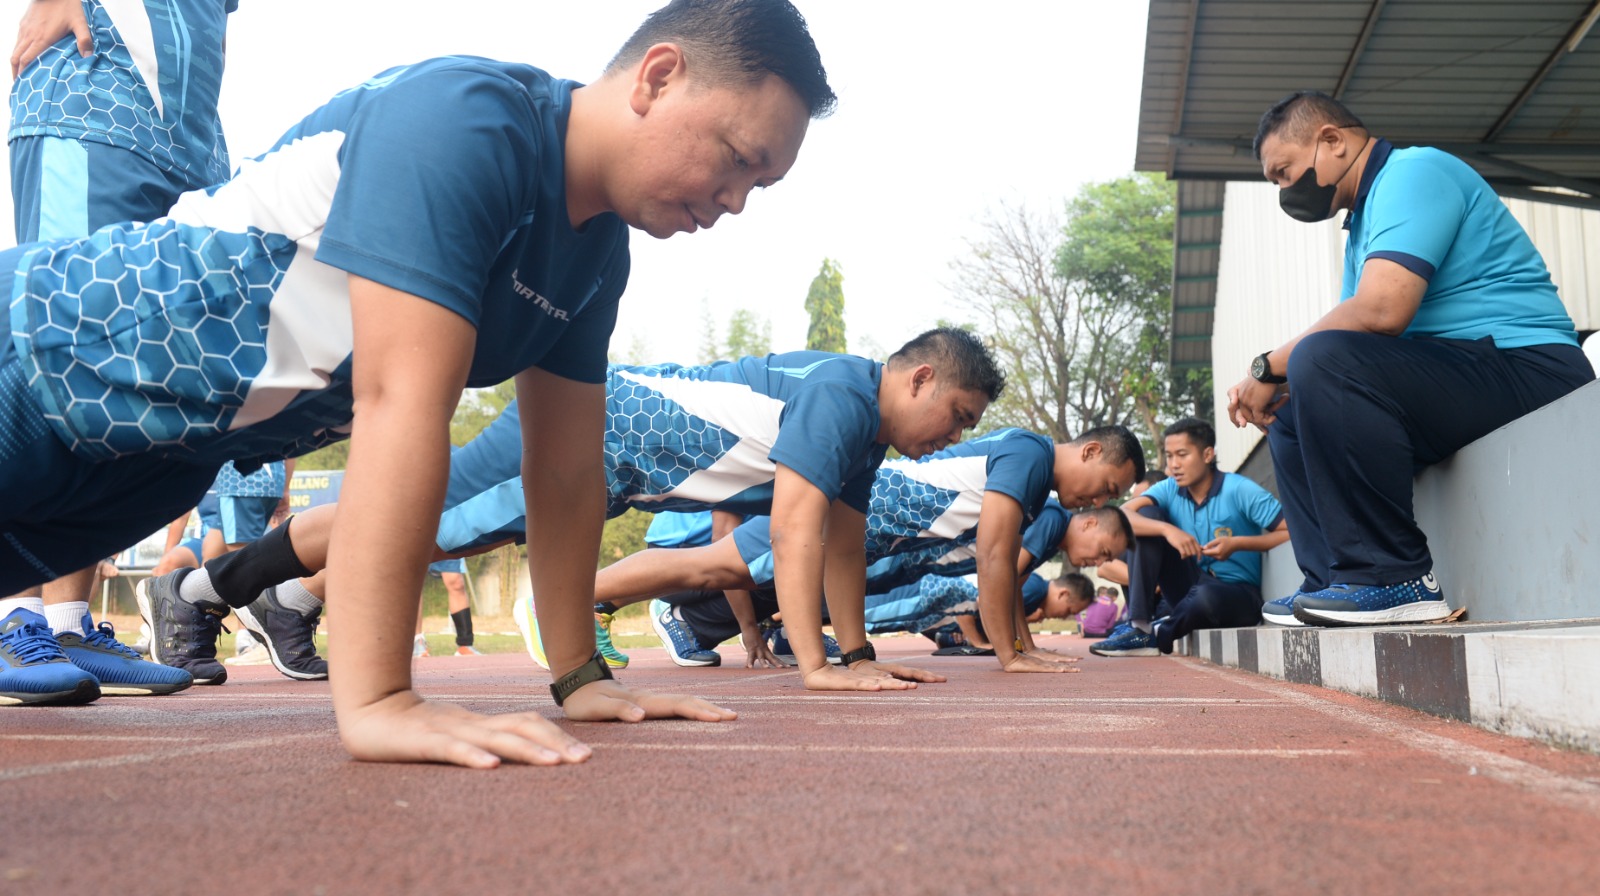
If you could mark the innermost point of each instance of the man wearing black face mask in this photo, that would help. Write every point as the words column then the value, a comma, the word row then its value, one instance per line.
column 1447, row 328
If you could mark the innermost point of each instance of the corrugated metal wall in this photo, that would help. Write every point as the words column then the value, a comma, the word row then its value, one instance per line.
column 1275, row 277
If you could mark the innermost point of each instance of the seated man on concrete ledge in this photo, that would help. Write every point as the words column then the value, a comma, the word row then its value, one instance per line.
column 1200, row 538
column 1448, row 327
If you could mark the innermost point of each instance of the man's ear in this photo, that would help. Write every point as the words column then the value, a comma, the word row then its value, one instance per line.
column 1091, row 452
column 1209, row 455
column 659, row 69
column 921, row 378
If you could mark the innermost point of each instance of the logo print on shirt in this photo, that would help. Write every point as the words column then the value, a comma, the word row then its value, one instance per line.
column 540, row 301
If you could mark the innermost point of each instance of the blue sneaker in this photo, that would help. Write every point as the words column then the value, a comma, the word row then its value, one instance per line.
column 182, row 634
column 778, row 641
column 1120, row 629
column 1416, row 600
column 1129, row 643
column 117, row 667
column 1281, row 611
column 33, row 669
column 678, row 638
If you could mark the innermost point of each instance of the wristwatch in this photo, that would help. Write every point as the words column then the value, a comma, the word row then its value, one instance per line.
column 1261, row 371
column 594, row 670
column 857, row 655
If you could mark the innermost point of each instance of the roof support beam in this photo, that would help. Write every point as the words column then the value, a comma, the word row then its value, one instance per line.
column 1539, row 176
column 1356, row 51
column 1188, row 57
column 1568, row 44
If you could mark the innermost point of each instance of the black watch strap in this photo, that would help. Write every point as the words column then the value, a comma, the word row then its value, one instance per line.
column 860, row 653
column 1261, row 370
column 594, row 670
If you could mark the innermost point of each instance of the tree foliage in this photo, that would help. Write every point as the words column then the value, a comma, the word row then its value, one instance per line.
column 825, row 305
column 1078, row 308
column 748, row 334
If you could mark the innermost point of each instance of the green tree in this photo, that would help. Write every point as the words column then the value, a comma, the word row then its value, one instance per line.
column 825, row 304
column 748, row 334
column 1079, row 310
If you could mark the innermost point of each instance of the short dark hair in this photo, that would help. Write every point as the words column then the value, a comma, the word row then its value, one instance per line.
column 1120, row 446
column 1297, row 115
column 1201, row 433
column 1076, row 582
column 738, row 41
column 1113, row 517
column 958, row 354
column 1153, row 477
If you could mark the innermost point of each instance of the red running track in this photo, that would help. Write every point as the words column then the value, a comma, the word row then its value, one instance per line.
column 1155, row 775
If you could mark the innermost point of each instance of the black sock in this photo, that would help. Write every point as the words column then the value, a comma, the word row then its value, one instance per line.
column 463, row 620
column 240, row 577
column 605, row 606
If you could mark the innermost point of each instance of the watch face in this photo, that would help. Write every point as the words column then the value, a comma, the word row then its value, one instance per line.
column 1258, row 367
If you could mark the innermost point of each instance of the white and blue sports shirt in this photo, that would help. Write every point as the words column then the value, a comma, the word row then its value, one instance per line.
column 150, row 86
column 224, row 330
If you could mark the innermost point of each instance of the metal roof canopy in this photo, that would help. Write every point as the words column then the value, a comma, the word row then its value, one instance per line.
column 1510, row 86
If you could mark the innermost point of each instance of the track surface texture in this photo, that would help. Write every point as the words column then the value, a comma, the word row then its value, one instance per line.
column 1158, row 775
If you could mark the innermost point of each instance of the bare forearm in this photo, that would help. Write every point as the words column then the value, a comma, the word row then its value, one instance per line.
column 561, row 555
column 997, row 584
column 797, row 558
column 392, row 494
column 846, row 577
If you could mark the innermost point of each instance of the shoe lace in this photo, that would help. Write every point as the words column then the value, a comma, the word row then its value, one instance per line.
column 104, row 636
column 32, row 643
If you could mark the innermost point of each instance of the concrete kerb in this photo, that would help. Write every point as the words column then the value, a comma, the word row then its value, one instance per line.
column 1529, row 679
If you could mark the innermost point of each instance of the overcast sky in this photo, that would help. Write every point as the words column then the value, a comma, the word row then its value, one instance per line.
column 945, row 111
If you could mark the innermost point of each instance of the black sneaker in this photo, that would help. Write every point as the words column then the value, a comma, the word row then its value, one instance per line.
column 182, row 634
column 289, row 636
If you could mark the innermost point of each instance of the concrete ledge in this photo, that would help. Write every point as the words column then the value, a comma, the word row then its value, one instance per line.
column 1529, row 679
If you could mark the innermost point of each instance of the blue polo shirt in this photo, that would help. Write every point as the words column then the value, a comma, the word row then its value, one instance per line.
column 1234, row 503
column 1429, row 212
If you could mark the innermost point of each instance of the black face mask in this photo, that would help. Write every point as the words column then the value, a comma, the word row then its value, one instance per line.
column 1308, row 201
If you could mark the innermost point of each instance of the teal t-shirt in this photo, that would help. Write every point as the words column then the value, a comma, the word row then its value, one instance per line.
column 1429, row 212
column 1234, row 503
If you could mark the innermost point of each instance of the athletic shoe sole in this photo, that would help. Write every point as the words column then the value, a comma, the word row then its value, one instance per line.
column 141, row 596
column 666, row 641
column 1274, row 619
column 86, row 691
column 1417, row 611
column 1131, row 651
column 259, row 632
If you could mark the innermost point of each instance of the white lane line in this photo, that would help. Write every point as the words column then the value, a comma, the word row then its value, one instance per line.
column 207, row 749
column 1174, row 752
column 92, row 738
column 892, row 698
column 1574, row 793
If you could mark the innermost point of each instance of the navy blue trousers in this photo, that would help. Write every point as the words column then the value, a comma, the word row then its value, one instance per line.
column 1198, row 598
column 1366, row 413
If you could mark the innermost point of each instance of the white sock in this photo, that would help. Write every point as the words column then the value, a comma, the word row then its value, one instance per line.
column 67, row 616
column 196, row 587
column 31, row 604
column 1142, row 625
column 293, row 596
